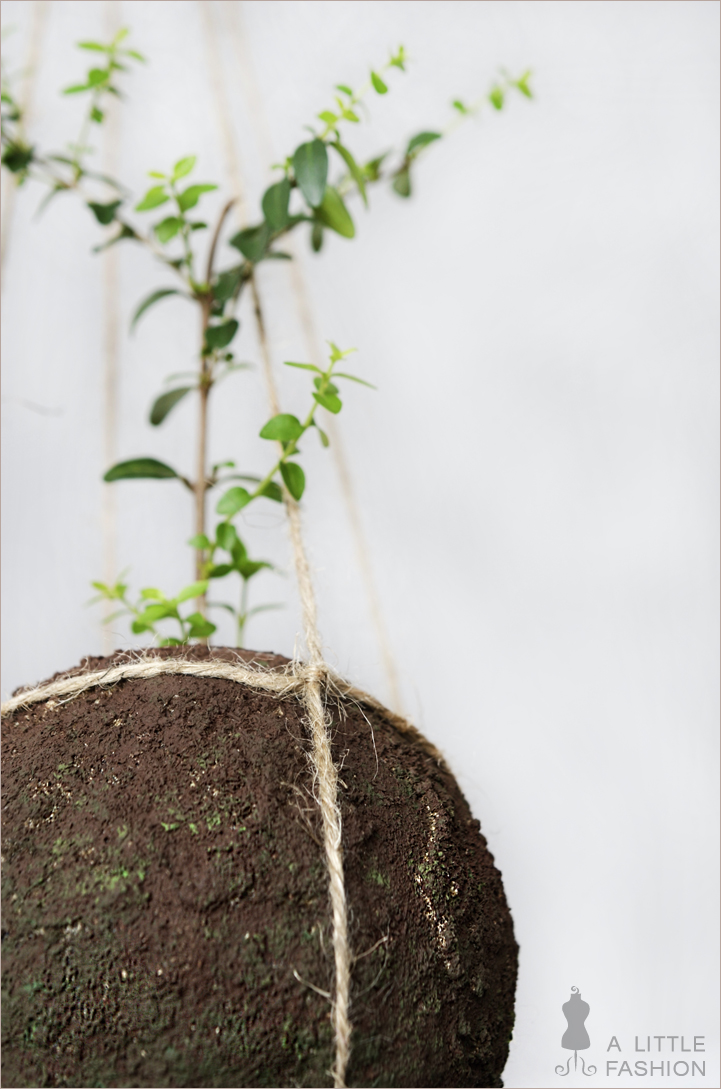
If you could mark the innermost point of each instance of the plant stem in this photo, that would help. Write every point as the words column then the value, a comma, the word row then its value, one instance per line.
column 201, row 480
column 214, row 243
column 243, row 612
column 204, row 386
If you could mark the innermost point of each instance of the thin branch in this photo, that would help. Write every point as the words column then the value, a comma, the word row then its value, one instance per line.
column 216, row 236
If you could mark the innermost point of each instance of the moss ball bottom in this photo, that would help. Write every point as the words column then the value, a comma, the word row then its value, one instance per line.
column 165, row 897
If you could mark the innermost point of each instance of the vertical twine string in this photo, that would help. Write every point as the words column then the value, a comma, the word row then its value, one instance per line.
column 246, row 72
column 315, row 671
column 111, row 139
column 26, row 100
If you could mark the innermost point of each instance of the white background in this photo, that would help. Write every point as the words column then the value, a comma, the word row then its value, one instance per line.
column 537, row 473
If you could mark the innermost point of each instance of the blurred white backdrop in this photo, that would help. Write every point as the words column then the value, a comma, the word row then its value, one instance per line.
column 536, row 475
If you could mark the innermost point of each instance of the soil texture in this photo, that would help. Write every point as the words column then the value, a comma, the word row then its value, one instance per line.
column 165, row 897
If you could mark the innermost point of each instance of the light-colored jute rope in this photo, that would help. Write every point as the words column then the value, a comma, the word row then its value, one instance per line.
column 111, row 344
column 321, row 753
column 244, row 71
column 281, row 683
column 26, row 97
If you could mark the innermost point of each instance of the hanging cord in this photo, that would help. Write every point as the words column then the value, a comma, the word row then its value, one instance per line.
column 27, row 98
column 327, row 776
column 111, row 322
column 315, row 672
column 245, row 71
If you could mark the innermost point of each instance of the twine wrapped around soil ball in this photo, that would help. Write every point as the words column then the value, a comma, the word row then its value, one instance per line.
column 166, row 887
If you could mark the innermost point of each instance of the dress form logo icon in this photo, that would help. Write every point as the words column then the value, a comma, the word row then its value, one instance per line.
column 575, row 1038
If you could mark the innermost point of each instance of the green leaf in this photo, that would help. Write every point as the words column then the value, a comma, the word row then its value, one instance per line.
column 356, row 172
column 458, row 105
column 155, row 174
column 220, row 570
column 190, row 196
column 402, row 183
column 149, row 301
column 124, row 232
column 233, row 501
column 153, row 613
column 398, row 60
column 76, row 88
column 323, row 437
column 226, row 536
column 496, row 98
column 275, row 205
column 184, row 166
column 522, row 84
column 334, row 213
column 220, row 336
column 354, row 378
column 134, row 54
column 283, row 428
column 349, row 115
column 310, row 165
column 196, row 589
column 97, row 115
column 324, row 386
column 17, row 158
column 227, row 283
column 96, row 76
column 137, row 468
column 378, row 84
column 328, row 117
column 293, row 478
column 200, row 628
column 167, row 228
column 336, row 354
column 139, row 626
column 304, row 366
column 154, row 197
column 342, row 87
column 150, row 593
column 166, row 403
column 252, row 242
column 272, row 491
column 239, row 551
column 316, row 237
column 248, row 568
column 330, row 401
column 421, row 140
column 104, row 213
column 200, row 541
column 96, row 46
column 372, row 169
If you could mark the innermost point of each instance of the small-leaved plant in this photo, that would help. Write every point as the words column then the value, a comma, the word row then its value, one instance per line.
column 303, row 197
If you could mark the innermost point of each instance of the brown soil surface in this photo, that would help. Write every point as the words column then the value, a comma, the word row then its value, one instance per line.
column 164, row 886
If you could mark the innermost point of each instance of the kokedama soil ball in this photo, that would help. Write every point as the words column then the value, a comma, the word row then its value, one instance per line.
column 165, row 891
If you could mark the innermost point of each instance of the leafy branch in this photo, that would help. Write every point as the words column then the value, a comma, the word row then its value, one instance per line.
column 305, row 194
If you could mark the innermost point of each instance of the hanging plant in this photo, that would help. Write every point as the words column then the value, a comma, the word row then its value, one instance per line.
column 223, row 867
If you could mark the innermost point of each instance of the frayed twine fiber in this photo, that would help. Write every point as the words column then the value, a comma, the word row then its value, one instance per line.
column 312, row 683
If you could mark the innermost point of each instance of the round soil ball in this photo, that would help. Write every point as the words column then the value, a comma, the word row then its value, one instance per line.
column 166, row 916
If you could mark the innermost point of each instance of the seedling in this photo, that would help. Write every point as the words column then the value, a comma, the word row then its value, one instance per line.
column 303, row 198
